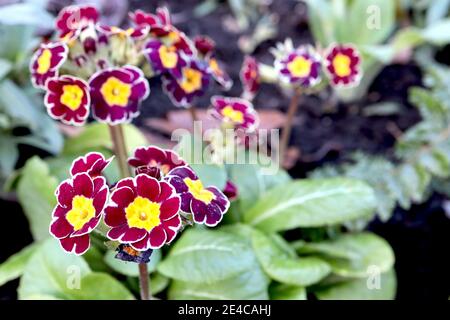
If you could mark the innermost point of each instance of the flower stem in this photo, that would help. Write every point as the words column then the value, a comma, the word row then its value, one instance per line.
column 120, row 150
column 293, row 107
column 193, row 112
column 144, row 282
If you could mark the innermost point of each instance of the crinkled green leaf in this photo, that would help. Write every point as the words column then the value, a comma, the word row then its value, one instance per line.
column 13, row 267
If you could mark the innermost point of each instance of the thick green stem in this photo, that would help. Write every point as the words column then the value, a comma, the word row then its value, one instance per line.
column 293, row 107
column 120, row 150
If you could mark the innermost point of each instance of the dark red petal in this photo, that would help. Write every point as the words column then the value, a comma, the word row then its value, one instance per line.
column 77, row 245
column 166, row 191
column 115, row 217
column 171, row 227
column 199, row 210
column 60, row 228
column 127, row 182
column 169, row 208
column 157, row 237
column 65, row 194
column 147, row 187
column 123, row 196
column 143, row 244
column 83, row 185
column 133, row 235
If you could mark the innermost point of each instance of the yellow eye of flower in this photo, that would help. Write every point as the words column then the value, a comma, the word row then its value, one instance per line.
column 116, row 92
column 234, row 115
column 300, row 67
column 198, row 191
column 82, row 211
column 341, row 65
column 192, row 80
column 168, row 57
column 72, row 96
column 214, row 65
column 143, row 214
column 44, row 61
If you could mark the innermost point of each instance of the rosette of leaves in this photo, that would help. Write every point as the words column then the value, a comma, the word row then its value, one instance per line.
column 422, row 153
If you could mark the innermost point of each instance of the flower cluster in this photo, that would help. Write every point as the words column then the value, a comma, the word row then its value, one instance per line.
column 143, row 212
column 303, row 66
column 95, row 69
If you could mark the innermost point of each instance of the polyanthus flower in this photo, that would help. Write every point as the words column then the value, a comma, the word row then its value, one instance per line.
column 162, row 57
column 163, row 159
column 235, row 111
column 117, row 93
column 250, row 77
column 192, row 82
column 81, row 202
column 207, row 205
column 46, row 61
column 342, row 63
column 67, row 99
column 92, row 163
column 301, row 67
column 74, row 18
column 161, row 18
column 143, row 213
column 204, row 45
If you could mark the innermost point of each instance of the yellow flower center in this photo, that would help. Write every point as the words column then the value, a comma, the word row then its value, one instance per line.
column 143, row 214
column 300, row 67
column 168, row 57
column 82, row 211
column 116, row 92
column 173, row 36
column 198, row 191
column 192, row 80
column 44, row 61
column 341, row 65
column 233, row 115
column 72, row 96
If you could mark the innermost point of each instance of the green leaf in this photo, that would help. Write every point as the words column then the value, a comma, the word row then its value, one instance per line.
column 415, row 180
column 36, row 194
column 358, row 289
column 287, row 292
column 312, row 203
column 438, row 33
column 8, row 156
column 207, row 256
column 158, row 283
column 353, row 255
column 52, row 272
column 211, row 174
column 26, row 14
column 20, row 39
column 130, row 268
column 101, row 286
column 248, row 285
column 430, row 107
column 322, row 27
column 5, row 67
column 281, row 267
column 96, row 137
column 13, row 267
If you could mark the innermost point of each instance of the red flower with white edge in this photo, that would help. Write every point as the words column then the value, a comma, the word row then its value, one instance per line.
column 46, row 61
column 74, row 18
column 342, row 63
column 81, row 202
column 161, row 18
column 67, row 99
column 206, row 204
column 163, row 159
column 143, row 213
column 239, row 113
column 92, row 163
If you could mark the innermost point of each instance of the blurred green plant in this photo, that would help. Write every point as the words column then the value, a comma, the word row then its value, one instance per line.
column 422, row 153
column 23, row 120
column 372, row 26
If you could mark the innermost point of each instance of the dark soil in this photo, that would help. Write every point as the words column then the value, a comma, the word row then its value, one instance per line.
column 419, row 237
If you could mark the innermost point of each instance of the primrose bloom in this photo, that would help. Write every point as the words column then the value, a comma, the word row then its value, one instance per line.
column 92, row 163
column 162, row 57
column 250, row 77
column 161, row 18
column 239, row 113
column 81, row 201
column 117, row 93
column 71, row 19
column 342, row 63
column 192, row 81
column 46, row 61
column 67, row 99
column 301, row 67
column 164, row 159
column 207, row 205
column 143, row 213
